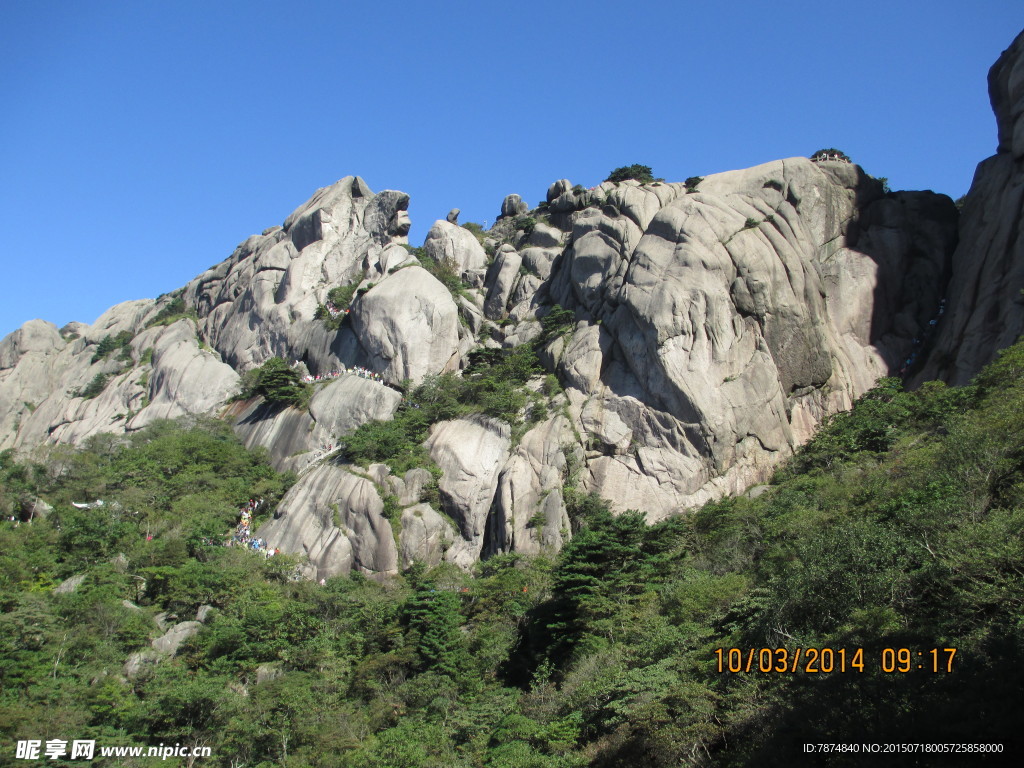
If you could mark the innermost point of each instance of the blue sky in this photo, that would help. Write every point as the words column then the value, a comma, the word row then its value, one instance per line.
column 141, row 141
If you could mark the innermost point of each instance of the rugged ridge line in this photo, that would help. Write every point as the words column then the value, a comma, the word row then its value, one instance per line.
column 715, row 324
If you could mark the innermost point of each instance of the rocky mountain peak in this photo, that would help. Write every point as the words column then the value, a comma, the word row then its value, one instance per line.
column 692, row 335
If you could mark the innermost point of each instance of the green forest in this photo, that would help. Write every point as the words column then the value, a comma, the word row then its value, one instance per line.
column 899, row 526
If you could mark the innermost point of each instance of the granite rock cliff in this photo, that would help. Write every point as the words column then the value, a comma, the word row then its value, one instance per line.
column 710, row 327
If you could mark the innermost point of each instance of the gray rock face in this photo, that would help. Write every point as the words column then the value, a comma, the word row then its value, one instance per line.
column 501, row 278
column 184, row 379
column 458, row 247
column 408, row 326
column 453, row 216
column 985, row 307
column 169, row 643
column 165, row 646
column 1006, row 90
column 296, row 438
column 427, row 537
column 558, row 189
column 513, row 205
column 530, row 514
column 729, row 327
column 711, row 333
column 139, row 661
column 471, row 453
column 336, row 519
column 69, row 585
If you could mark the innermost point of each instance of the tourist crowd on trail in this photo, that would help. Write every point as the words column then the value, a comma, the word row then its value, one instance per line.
column 320, row 452
column 357, row 370
column 335, row 311
column 920, row 341
column 243, row 537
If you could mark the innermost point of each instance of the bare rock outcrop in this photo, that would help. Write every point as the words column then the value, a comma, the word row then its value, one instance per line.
column 336, row 519
column 729, row 331
column 295, row 438
column 985, row 308
column 408, row 326
column 470, row 453
column 529, row 515
column 456, row 246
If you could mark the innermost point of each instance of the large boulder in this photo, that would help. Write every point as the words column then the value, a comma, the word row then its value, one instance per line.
column 529, row 514
column 408, row 326
column 513, row 205
column 501, row 278
column 335, row 518
column 470, row 453
column 457, row 247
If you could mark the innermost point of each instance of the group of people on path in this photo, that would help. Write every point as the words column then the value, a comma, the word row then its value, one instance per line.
column 243, row 537
column 920, row 341
column 364, row 373
column 334, row 311
column 310, row 378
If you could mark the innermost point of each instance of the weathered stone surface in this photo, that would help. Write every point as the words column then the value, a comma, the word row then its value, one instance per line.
column 336, row 519
column 470, row 453
column 558, row 189
column 409, row 488
column 501, row 278
column 185, row 379
column 387, row 217
column 513, row 205
column 347, row 403
column 713, row 332
column 456, row 246
column 267, row 672
column 294, row 438
column 581, row 362
column 171, row 641
column 408, row 326
column 985, row 308
column 139, row 661
column 428, row 537
column 1006, row 90
column 453, row 216
column 530, row 515
column 69, row 584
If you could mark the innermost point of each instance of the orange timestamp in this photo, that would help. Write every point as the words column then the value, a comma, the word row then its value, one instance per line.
column 828, row 660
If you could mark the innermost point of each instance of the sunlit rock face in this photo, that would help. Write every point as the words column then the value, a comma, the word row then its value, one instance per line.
column 711, row 327
column 985, row 312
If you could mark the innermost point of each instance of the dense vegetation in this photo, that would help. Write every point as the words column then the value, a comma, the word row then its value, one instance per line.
column 899, row 526
column 277, row 382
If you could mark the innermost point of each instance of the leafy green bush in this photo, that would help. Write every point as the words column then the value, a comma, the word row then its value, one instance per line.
column 641, row 173
column 693, row 182
column 341, row 298
column 110, row 344
column 94, row 387
column 525, row 223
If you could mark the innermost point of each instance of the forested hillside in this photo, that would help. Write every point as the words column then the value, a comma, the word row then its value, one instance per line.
column 899, row 526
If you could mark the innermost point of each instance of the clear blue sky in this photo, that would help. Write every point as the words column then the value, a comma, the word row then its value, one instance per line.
column 141, row 141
